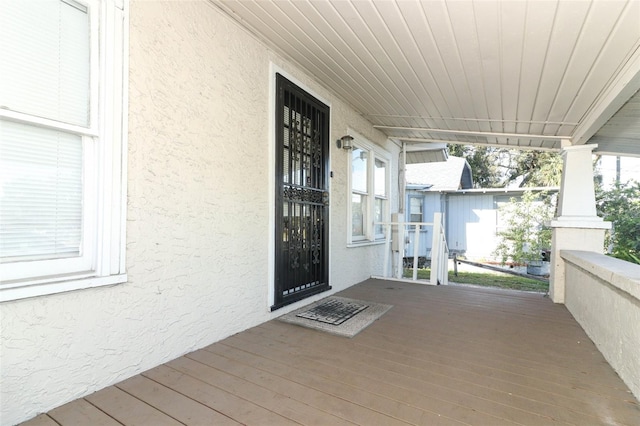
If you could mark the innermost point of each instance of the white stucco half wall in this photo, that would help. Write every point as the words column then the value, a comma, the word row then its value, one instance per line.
column 603, row 295
column 198, row 234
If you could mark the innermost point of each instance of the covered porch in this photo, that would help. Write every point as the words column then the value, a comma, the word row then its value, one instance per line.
column 442, row 355
column 194, row 261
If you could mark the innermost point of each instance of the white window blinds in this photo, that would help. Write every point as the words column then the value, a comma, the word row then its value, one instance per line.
column 44, row 73
column 41, row 178
column 44, row 45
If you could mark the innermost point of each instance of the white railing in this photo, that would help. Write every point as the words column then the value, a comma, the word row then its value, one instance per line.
column 439, row 253
column 395, row 249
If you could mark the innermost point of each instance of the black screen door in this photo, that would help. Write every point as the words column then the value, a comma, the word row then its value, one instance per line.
column 301, row 217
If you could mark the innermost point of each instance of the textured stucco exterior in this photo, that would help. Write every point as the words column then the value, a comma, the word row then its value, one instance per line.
column 603, row 295
column 200, row 203
column 564, row 238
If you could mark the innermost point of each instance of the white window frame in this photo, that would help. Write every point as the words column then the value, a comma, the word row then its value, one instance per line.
column 374, row 153
column 410, row 212
column 102, row 261
column 385, row 213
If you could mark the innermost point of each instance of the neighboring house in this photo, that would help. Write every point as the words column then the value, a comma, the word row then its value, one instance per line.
column 452, row 174
column 472, row 218
column 423, row 183
column 170, row 173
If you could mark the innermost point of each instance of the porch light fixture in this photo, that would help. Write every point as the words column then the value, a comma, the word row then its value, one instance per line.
column 345, row 142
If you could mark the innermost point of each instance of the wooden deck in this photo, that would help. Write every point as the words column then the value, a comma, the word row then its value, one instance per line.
column 441, row 355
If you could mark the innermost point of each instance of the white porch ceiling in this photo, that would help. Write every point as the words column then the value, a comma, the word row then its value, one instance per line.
column 519, row 73
column 622, row 132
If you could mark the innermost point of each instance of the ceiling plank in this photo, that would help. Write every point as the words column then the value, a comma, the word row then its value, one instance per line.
column 564, row 37
column 465, row 39
column 513, row 18
column 538, row 25
column 487, row 29
column 576, row 94
column 441, row 27
column 410, row 62
column 265, row 27
column 353, row 39
column 443, row 91
column 308, row 32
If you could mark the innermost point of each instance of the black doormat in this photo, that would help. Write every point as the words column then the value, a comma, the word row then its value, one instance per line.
column 346, row 318
column 333, row 311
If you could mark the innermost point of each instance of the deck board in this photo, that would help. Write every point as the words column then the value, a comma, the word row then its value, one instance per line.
column 342, row 408
column 129, row 410
column 198, row 387
column 449, row 355
column 41, row 420
column 304, row 376
column 467, row 373
column 261, row 396
column 81, row 413
column 430, row 409
column 176, row 405
column 429, row 383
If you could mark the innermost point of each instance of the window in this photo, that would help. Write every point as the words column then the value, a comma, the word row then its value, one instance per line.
column 380, row 194
column 62, row 188
column 369, row 177
column 359, row 193
column 415, row 209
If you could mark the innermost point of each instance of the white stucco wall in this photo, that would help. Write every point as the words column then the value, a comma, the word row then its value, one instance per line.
column 603, row 295
column 198, row 233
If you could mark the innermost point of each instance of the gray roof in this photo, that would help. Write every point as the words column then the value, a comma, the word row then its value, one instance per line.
column 442, row 175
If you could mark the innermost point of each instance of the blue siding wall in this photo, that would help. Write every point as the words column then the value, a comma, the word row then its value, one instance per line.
column 470, row 220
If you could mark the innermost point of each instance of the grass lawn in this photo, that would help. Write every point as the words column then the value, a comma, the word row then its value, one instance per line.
column 488, row 280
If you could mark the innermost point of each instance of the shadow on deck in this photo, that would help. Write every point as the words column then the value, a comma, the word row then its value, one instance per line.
column 441, row 355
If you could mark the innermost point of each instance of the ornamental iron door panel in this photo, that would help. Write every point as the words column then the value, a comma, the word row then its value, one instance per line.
column 302, row 197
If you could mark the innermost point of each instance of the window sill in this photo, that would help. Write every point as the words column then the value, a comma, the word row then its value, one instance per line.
column 53, row 285
column 365, row 243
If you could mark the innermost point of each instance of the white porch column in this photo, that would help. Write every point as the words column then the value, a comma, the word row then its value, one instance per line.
column 576, row 227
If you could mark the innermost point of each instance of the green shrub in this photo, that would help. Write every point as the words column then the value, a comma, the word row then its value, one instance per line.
column 621, row 206
column 526, row 234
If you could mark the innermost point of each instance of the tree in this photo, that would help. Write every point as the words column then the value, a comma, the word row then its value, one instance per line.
column 526, row 234
column 494, row 167
column 486, row 167
column 536, row 168
column 484, row 162
column 621, row 206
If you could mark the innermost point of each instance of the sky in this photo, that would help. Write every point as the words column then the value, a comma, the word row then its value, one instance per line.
column 629, row 169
